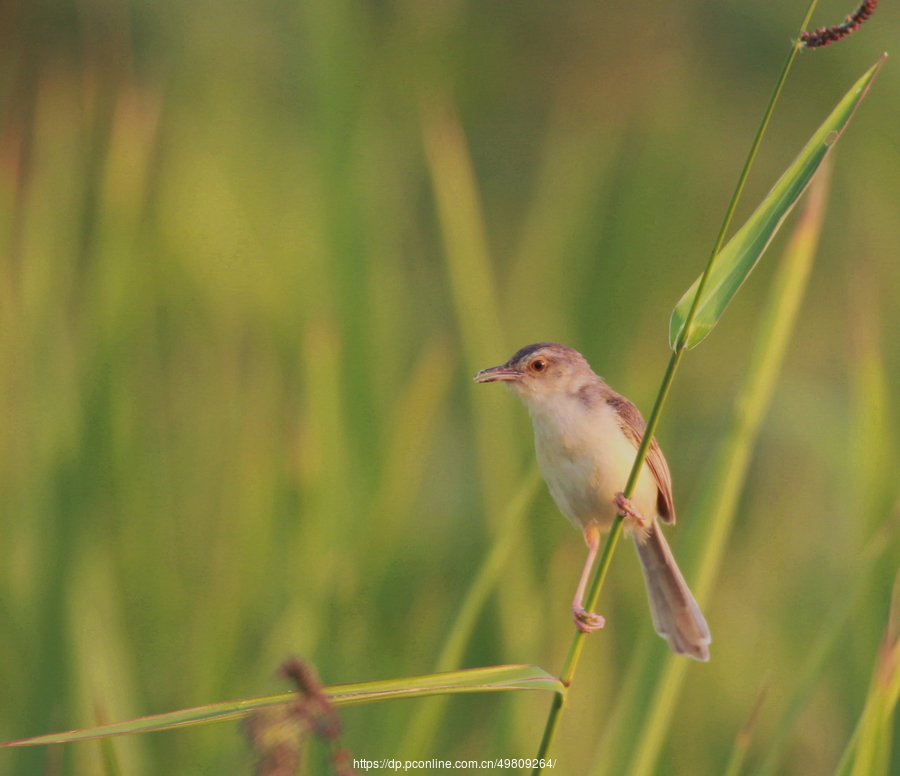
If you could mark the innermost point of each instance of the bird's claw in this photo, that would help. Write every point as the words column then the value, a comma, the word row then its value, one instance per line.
column 627, row 509
column 587, row 622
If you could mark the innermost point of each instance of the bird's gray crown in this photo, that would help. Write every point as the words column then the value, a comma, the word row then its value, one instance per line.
column 549, row 349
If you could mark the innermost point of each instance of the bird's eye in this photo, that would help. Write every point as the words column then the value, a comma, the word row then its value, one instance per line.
column 537, row 365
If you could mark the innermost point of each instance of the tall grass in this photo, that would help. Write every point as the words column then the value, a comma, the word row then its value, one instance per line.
column 235, row 363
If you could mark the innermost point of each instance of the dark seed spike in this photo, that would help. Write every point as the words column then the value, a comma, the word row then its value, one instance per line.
column 824, row 36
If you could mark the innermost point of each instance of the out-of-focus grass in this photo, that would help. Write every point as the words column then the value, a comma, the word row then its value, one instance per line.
column 223, row 291
column 869, row 749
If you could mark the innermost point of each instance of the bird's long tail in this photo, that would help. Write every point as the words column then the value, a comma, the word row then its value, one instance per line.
column 676, row 616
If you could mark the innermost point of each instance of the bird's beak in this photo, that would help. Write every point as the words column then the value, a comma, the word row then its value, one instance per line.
column 503, row 373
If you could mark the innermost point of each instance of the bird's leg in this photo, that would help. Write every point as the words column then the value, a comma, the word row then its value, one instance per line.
column 587, row 622
column 627, row 509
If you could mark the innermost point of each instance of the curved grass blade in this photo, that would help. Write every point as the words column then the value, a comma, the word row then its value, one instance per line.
column 738, row 258
column 491, row 679
column 869, row 750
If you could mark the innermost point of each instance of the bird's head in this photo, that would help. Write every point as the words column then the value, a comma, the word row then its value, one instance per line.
column 541, row 371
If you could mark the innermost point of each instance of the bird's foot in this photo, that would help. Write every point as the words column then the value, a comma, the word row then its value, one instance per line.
column 587, row 622
column 627, row 509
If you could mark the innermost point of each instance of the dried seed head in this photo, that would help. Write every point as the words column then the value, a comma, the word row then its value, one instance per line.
column 825, row 36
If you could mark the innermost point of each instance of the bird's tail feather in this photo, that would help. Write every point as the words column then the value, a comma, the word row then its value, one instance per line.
column 676, row 616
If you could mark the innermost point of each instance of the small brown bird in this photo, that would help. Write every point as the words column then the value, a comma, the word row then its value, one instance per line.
column 586, row 437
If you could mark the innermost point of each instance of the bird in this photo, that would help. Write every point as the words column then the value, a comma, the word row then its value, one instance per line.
column 586, row 438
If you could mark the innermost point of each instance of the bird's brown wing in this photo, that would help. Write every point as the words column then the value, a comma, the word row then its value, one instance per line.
column 633, row 426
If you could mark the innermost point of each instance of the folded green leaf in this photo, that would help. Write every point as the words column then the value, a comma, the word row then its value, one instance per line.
column 491, row 679
column 738, row 258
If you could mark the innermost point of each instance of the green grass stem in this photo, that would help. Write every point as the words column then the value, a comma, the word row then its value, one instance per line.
column 681, row 343
column 250, row 267
column 599, row 575
column 718, row 504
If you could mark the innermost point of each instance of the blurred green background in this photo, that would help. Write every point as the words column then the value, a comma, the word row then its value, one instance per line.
column 236, row 354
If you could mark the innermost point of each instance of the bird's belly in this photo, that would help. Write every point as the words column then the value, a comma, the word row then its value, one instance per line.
column 573, row 485
column 585, row 467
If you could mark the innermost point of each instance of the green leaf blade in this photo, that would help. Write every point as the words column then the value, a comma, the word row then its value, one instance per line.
column 491, row 679
column 737, row 259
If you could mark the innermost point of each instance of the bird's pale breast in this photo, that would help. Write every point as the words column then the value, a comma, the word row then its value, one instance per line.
column 585, row 459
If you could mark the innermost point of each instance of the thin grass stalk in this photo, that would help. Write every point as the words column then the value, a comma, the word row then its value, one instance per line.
column 745, row 173
column 111, row 765
column 489, row 572
column 872, row 454
column 573, row 174
column 873, row 751
column 738, row 755
column 745, row 735
column 719, row 504
column 846, row 761
column 868, row 751
column 826, row 641
column 421, row 733
column 625, row 712
column 613, row 537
